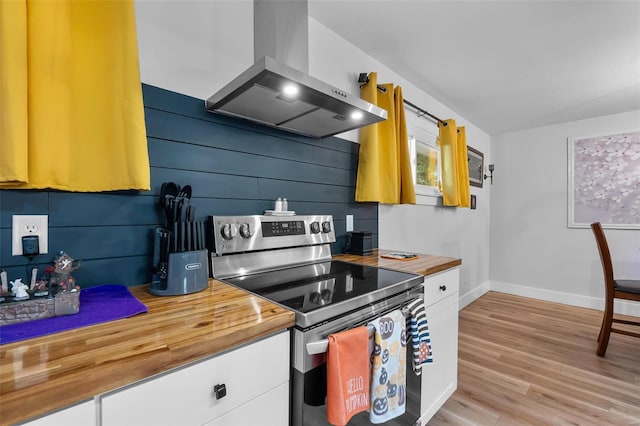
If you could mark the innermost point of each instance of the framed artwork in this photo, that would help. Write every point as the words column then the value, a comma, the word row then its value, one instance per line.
column 604, row 181
column 476, row 165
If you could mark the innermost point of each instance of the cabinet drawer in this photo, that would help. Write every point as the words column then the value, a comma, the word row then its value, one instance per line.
column 83, row 414
column 270, row 409
column 441, row 285
column 185, row 396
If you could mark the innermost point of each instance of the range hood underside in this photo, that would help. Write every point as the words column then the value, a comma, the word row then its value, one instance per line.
column 319, row 110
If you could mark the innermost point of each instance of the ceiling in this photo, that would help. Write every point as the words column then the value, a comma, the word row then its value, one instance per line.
column 503, row 65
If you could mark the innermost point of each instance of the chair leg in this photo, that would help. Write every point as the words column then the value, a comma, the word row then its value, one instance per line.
column 604, row 318
column 605, row 329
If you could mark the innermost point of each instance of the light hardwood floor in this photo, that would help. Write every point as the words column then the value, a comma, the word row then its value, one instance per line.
column 526, row 361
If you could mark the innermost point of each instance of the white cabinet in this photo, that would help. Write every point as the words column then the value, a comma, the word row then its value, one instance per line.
column 264, row 411
column 256, row 379
column 440, row 378
column 83, row 414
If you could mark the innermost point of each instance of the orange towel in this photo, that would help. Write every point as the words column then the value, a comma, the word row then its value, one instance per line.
column 347, row 375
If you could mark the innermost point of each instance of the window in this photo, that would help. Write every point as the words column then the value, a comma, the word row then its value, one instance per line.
column 425, row 163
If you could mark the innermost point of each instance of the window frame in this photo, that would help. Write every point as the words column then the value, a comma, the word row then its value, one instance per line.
column 428, row 139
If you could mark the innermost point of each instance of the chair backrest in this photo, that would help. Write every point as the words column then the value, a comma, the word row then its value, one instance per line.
column 605, row 256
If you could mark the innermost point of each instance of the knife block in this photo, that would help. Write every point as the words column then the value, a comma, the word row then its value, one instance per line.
column 187, row 272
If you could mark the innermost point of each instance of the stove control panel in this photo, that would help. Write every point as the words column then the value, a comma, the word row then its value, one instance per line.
column 236, row 234
column 277, row 229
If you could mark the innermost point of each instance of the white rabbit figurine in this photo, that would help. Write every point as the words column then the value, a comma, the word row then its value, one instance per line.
column 19, row 289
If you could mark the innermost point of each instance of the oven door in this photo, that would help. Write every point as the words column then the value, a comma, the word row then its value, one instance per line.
column 309, row 371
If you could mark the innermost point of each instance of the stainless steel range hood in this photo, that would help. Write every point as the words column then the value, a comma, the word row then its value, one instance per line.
column 274, row 93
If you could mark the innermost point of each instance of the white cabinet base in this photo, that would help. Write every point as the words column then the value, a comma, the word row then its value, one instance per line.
column 440, row 378
column 186, row 396
column 264, row 410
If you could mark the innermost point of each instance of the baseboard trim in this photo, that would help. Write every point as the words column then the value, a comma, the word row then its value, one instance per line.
column 620, row 307
column 472, row 295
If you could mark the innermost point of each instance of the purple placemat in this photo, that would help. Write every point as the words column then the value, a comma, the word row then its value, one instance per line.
column 98, row 304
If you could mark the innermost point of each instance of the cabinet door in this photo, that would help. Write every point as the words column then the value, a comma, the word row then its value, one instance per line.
column 186, row 396
column 83, row 414
column 440, row 378
column 270, row 409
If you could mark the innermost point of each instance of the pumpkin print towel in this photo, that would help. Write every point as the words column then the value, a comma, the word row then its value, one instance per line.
column 389, row 366
column 347, row 375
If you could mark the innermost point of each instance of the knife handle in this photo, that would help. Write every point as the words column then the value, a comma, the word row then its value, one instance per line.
column 157, row 246
column 175, row 237
column 188, row 236
column 182, row 248
column 202, row 235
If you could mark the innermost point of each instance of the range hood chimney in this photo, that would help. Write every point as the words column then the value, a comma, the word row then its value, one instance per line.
column 276, row 90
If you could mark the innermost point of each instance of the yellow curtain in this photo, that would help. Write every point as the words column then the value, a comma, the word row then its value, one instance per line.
column 463, row 168
column 455, row 167
column 407, row 190
column 71, row 106
column 13, row 92
column 384, row 167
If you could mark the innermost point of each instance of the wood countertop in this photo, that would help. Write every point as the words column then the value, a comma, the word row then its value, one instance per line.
column 51, row 372
column 425, row 264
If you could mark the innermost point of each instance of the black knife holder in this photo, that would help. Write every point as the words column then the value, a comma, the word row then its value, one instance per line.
column 187, row 272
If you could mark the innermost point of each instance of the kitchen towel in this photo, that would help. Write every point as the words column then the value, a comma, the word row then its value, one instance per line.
column 389, row 367
column 420, row 340
column 347, row 375
column 97, row 304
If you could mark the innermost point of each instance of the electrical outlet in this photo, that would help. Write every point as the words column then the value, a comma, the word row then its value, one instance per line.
column 349, row 222
column 30, row 225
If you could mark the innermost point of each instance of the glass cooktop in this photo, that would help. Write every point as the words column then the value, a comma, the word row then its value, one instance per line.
column 321, row 290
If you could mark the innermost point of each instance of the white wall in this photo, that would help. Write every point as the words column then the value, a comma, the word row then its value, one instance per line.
column 196, row 47
column 533, row 252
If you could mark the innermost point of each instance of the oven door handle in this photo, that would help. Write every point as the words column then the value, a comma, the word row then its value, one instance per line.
column 320, row 346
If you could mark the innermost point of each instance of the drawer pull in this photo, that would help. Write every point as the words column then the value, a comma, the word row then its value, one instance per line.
column 220, row 391
column 443, row 288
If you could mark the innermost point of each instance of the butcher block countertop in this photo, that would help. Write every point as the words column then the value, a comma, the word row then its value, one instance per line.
column 425, row 264
column 51, row 372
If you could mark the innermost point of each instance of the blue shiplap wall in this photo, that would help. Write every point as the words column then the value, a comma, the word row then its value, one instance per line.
column 234, row 168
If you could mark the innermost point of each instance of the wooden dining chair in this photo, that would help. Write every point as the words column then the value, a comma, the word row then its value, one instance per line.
column 614, row 289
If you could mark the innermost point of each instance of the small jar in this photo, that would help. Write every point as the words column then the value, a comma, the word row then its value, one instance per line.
column 67, row 303
column 278, row 205
column 285, row 205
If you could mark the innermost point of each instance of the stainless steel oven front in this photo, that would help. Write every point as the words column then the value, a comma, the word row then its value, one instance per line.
column 309, row 372
column 287, row 260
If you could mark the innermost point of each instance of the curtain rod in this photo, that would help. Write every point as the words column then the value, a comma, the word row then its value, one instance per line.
column 444, row 123
column 363, row 78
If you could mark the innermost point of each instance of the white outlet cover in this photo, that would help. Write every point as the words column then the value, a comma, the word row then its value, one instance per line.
column 349, row 223
column 23, row 225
